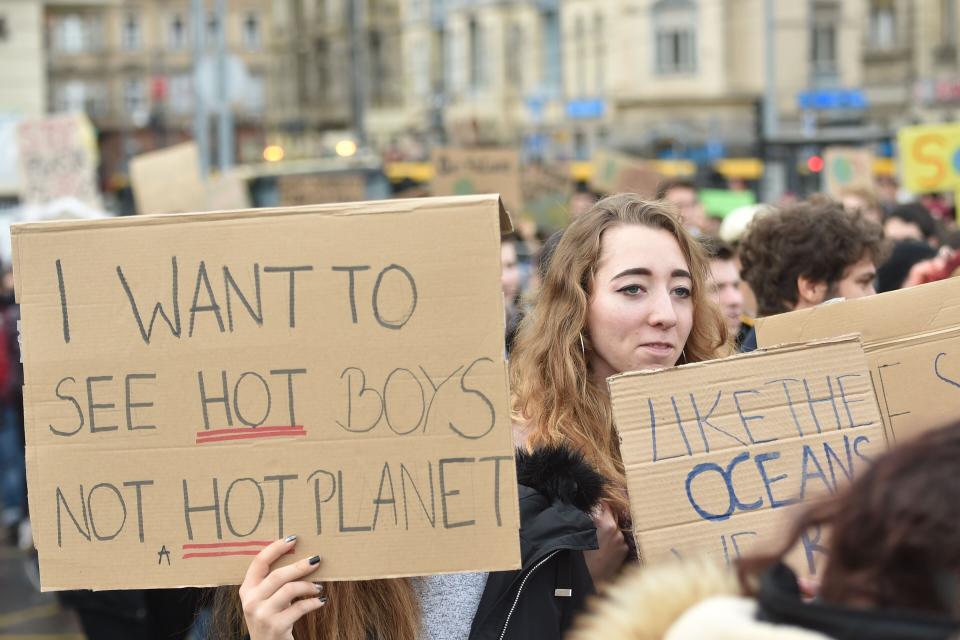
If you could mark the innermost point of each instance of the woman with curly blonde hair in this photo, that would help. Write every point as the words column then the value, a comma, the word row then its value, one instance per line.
column 625, row 289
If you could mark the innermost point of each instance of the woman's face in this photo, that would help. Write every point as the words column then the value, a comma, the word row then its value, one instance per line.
column 640, row 308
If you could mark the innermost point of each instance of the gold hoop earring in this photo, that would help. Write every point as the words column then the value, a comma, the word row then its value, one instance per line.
column 683, row 355
column 583, row 349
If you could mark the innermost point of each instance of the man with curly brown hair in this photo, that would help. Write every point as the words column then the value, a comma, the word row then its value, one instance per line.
column 808, row 253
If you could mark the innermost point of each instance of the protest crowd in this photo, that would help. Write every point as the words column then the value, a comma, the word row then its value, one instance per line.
column 288, row 400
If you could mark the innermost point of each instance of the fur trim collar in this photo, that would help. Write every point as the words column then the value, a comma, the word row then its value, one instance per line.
column 561, row 474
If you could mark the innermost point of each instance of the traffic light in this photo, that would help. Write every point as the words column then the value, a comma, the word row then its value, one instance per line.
column 815, row 164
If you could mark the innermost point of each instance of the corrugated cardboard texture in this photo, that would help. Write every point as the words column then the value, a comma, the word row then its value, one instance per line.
column 466, row 171
column 912, row 340
column 199, row 385
column 719, row 455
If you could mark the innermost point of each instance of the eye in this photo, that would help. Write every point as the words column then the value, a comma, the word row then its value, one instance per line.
column 631, row 290
column 682, row 292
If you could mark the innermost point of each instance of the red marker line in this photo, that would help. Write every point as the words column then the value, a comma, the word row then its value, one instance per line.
column 219, row 545
column 247, row 436
column 219, row 554
column 231, row 430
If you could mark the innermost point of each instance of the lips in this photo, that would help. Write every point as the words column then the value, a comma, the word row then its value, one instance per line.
column 662, row 348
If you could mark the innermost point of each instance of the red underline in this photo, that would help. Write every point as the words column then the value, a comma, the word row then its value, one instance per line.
column 247, row 436
column 216, row 545
column 220, row 554
column 216, row 432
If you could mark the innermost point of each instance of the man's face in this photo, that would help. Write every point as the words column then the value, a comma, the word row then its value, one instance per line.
column 689, row 207
column 857, row 282
column 725, row 285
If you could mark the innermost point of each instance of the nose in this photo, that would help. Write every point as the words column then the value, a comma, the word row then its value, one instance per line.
column 662, row 313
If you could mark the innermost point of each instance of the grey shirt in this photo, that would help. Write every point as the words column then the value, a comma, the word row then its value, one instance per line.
column 448, row 603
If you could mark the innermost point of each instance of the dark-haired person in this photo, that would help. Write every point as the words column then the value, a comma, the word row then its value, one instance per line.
column 892, row 568
column 912, row 222
column 682, row 194
column 803, row 255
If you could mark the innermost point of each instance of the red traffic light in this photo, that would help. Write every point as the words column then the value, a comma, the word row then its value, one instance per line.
column 815, row 164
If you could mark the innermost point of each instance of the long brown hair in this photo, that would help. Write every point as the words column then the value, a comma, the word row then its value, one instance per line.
column 892, row 534
column 554, row 395
column 381, row 609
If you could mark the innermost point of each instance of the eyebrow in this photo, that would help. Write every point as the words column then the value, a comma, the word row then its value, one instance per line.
column 643, row 271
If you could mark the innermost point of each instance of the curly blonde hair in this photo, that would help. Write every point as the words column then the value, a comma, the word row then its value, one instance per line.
column 554, row 395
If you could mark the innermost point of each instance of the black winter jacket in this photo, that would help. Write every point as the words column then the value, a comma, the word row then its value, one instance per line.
column 558, row 489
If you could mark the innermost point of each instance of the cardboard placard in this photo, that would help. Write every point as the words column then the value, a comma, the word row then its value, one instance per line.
column 168, row 181
column 295, row 190
column 58, row 159
column 316, row 371
column 847, row 167
column 927, row 157
column 466, row 171
column 615, row 172
column 912, row 340
column 720, row 454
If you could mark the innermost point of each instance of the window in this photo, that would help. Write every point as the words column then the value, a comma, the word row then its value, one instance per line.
column 477, row 75
column 181, row 94
column 823, row 39
column 550, row 62
column 580, row 64
column 948, row 22
column 253, row 100
column 514, row 57
column 213, row 28
column 4, row 30
column 70, row 97
column 599, row 38
column 675, row 25
column 177, row 33
column 134, row 96
column 251, row 32
column 882, row 24
column 69, row 34
column 130, row 33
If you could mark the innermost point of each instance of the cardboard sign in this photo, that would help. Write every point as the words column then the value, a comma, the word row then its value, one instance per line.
column 298, row 190
column 928, row 157
column 58, row 159
column 315, row 371
column 467, row 171
column 912, row 341
column 546, row 195
column 720, row 454
column 168, row 181
column 847, row 167
column 615, row 172
column 719, row 203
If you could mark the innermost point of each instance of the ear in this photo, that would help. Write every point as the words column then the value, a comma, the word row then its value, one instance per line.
column 810, row 292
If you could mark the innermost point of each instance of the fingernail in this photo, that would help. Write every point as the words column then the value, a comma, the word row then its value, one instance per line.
column 323, row 600
column 315, row 560
column 290, row 539
column 319, row 586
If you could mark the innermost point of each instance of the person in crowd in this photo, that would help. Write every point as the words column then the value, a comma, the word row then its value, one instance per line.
column 626, row 288
column 904, row 256
column 804, row 255
column 891, row 568
column 726, row 286
column 510, row 285
column 912, row 222
column 580, row 202
column 864, row 201
column 682, row 194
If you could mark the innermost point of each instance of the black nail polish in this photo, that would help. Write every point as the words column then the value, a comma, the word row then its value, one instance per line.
column 323, row 600
column 290, row 539
column 315, row 560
